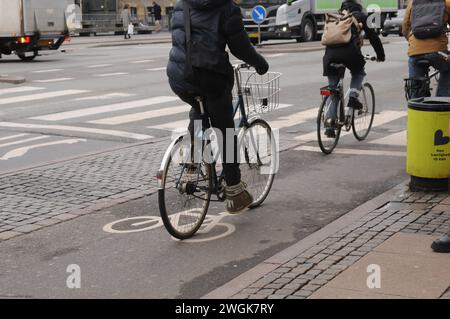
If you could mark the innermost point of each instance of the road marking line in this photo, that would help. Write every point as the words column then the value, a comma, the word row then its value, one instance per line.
column 380, row 119
column 24, row 141
column 275, row 55
column 40, row 96
column 19, row 89
column 104, row 97
column 128, row 118
column 141, row 61
column 78, row 129
column 53, row 80
column 98, row 66
column 346, row 151
column 294, row 119
column 105, row 108
column 396, row 139
column 156, row 69
column 12, row 137
column 178, row 126
column 18, row 152
column 47, row 71
column 110, row 74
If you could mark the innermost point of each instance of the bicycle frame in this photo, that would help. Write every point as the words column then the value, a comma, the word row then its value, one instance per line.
column 239, row 106
column 343, row 118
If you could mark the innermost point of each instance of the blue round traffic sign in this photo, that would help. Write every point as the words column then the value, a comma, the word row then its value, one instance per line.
column 259, row 13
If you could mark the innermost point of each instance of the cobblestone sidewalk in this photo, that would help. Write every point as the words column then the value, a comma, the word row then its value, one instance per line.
column 47, row 195
column 301, row 270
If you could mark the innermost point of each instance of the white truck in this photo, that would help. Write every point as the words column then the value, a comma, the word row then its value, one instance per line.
column 304, row 20
column 28, row 26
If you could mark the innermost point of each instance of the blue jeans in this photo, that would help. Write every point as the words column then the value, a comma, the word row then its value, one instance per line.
column 436, row 61
column 355, row 87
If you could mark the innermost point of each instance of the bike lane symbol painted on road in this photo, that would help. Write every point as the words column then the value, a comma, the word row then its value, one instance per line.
column 213, row 228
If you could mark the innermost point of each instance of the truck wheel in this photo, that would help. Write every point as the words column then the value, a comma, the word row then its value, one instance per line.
column 308, row 30
column 27, row 58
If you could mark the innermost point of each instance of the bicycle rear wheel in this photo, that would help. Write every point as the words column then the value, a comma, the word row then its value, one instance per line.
column 363, row 119
column 183, row 195
column 327, row 143
column 261, row 160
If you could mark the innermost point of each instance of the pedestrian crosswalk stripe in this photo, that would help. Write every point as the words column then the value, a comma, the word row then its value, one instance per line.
column 105, row 108
column 111, row 74
column 19, row 89
column 182, row 124
column 23, row 141
column 294, row 119
column 156, row 69
column 39, row 96
column 10, row 137
column 128, row 118
column 77, row 129
column 396, row 139
column 47, row 71
column 172, row 126
column 98, row 66
column 104, row 96
column 380, row 119
column 141, row 61
column 53, row 80
column 346, row 151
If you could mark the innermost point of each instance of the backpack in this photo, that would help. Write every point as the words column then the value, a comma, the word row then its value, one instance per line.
column 427, row 18
column 207, row 66
column 339, row 29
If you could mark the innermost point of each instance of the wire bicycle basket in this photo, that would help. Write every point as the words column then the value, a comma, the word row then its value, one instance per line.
column 260, row 92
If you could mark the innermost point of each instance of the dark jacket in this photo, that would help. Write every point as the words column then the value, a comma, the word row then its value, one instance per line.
column 220, row 23
column 357, row 11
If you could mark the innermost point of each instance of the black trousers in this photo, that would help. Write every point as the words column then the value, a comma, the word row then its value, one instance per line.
column 220, row 110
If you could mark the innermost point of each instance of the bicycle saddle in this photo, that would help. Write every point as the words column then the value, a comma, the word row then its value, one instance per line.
column 337, row 66
column 423, row 62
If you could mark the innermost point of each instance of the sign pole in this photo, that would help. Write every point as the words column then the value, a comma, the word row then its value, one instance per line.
column 259, row 14
column 259, row 34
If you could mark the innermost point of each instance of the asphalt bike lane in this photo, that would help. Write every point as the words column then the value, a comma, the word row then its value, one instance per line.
column 124, row 251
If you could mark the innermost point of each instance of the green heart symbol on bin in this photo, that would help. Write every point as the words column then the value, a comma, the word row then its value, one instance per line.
column 440, row 139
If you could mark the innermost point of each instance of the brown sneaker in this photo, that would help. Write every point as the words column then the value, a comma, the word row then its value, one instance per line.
column 238, row 198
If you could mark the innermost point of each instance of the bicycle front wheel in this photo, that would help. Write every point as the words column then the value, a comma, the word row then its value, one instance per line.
column 327, row 137
column 184, row 191
column 363, row 119
column 260, row 155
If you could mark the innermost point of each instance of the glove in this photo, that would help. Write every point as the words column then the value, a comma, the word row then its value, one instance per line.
column 381, row 58
column 262, row 67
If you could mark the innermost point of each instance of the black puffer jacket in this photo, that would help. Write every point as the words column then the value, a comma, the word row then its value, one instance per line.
column 219, row 21
column 356, row 9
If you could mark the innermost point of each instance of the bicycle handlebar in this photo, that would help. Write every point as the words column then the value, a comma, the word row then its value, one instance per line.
column 370, row 57
column 242, row 66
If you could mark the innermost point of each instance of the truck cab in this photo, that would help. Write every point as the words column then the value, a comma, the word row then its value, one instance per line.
column 268, row 26
column 28, row 26
column 304, row 20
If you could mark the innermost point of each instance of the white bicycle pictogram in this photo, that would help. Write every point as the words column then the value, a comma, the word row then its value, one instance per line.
column 146, row 223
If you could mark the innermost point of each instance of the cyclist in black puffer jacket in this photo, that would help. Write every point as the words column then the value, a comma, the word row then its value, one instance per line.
column 215, row 24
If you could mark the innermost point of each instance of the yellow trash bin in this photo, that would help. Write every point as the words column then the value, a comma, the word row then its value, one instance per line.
column 428, row 147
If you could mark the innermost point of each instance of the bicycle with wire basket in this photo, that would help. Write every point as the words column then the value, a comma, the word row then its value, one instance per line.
column 332, row 116
column 186, row 185
column 422, row 85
